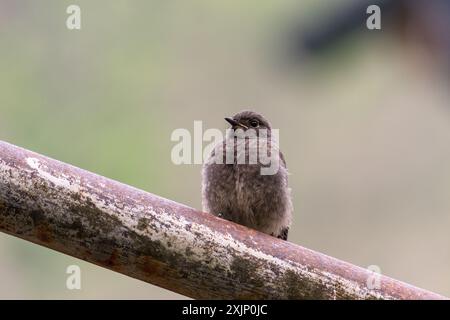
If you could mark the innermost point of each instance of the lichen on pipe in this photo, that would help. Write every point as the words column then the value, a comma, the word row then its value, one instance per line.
column 159, row 241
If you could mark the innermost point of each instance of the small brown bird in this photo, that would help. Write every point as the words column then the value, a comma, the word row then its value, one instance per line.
column 240, row 190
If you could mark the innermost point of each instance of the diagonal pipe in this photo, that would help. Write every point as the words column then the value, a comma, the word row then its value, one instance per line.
column 165, row 243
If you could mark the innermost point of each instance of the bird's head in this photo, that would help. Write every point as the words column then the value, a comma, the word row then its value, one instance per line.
column 246, row 120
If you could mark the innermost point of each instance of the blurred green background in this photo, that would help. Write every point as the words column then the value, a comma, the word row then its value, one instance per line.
column 365, row 129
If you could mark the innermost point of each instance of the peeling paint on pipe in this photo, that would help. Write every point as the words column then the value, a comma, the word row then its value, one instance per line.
column 159, row 241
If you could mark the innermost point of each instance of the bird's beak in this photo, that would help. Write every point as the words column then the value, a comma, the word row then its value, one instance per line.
column 234, row 123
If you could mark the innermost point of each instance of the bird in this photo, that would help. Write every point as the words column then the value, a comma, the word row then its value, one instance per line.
column 238, row 190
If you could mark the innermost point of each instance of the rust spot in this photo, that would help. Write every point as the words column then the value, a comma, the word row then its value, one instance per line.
column 149, row 266
column 112, row 260
column 41, row 227
column 43, row 233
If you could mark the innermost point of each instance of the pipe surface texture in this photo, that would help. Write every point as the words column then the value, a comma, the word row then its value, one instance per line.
column 173, row 246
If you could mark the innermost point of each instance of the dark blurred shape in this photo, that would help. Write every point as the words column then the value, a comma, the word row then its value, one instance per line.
column 329, row 30
column 425, row 21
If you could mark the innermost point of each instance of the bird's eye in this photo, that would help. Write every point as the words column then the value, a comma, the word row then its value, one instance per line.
column 254, row 123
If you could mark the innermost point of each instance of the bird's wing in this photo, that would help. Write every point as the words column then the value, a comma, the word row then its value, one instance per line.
column 283, row 161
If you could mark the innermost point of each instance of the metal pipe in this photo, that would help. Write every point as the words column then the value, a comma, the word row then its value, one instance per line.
column 159, row 241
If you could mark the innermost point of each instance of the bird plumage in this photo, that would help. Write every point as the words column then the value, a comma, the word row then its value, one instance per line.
column 238, row 191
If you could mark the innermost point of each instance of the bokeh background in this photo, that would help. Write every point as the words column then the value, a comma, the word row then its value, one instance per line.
column 364, row 123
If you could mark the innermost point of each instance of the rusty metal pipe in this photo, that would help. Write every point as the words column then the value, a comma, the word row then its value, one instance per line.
column 159, row 241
